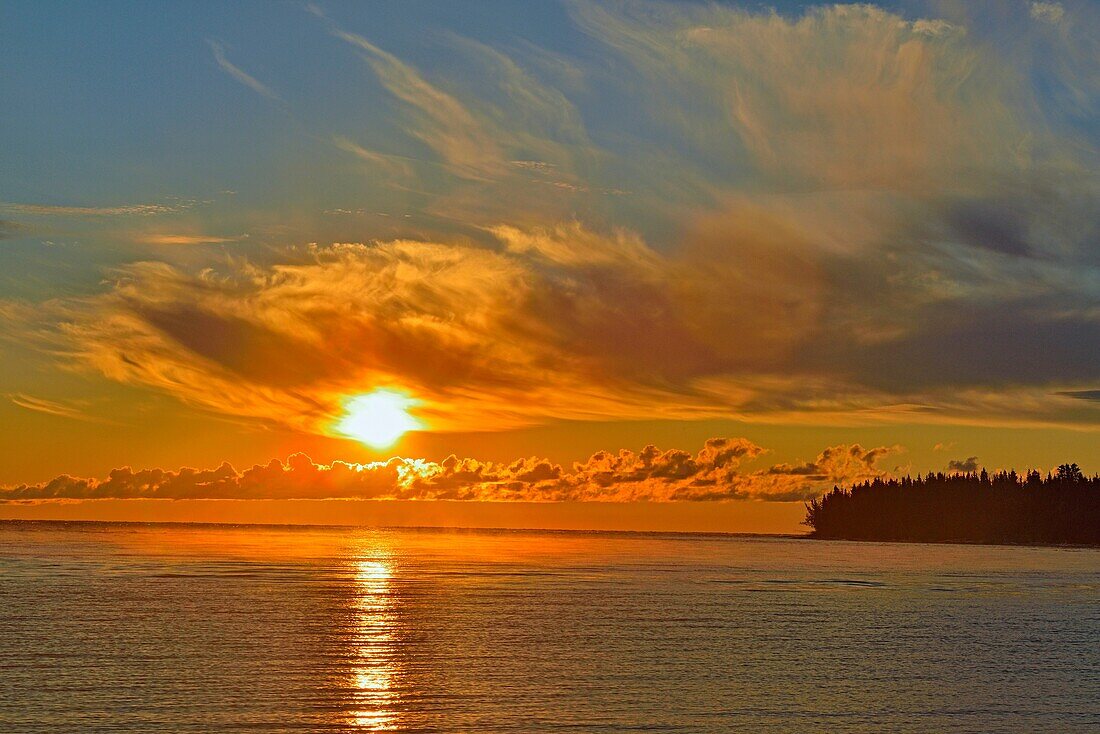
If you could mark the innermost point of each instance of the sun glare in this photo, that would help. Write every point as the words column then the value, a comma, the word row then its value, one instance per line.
column 378, row 418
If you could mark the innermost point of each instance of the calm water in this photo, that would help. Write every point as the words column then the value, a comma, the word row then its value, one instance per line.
column 205, row 628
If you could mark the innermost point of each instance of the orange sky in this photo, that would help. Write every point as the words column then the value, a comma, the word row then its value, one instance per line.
column 742, row 517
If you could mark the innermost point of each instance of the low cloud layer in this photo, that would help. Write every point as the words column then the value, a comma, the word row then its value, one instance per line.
column 713, row 473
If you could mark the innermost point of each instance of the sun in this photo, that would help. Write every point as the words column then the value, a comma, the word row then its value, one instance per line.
column 378, row 418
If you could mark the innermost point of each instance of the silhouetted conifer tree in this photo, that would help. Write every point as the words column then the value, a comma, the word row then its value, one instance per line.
column 1062, row 508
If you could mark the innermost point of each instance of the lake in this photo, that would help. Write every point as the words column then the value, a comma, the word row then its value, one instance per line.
column 201, row 628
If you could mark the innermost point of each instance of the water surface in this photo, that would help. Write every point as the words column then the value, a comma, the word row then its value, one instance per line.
column 138, row 628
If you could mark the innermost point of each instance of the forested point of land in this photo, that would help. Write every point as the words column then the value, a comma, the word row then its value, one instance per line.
column 1061, row 508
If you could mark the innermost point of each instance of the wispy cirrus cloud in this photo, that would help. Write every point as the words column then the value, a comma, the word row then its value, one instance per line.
column 474, row 133
column 442, row 121
column 396, row 166
column 126, row 210
column 66, row 409
column 713, row 473
column 239, row 74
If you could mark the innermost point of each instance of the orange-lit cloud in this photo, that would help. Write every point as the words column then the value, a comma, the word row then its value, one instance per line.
column 552, row 323
column 68, row 409
column 651, row 475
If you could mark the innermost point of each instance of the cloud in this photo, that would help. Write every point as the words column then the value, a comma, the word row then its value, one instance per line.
column 935, row 27
column 484, row 338
column 139, row 210
column 474, row 124
column 390, row 164
column 842, row 96
column 571, row 245
column 552, row 323
column 442, row 122
column 1083, row 394
column 237, row 73
column 967, row 465
column 1047, row 12
column 881, row 159
column 650, row 475
column 69, row 409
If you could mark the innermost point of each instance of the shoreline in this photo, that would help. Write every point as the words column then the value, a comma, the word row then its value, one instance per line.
column 410, row 528
column 8, row 522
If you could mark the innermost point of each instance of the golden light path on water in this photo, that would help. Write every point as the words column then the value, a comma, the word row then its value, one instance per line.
column 270, row 628
column 374, row 648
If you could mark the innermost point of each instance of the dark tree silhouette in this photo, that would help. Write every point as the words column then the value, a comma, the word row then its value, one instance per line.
column 1061, row 508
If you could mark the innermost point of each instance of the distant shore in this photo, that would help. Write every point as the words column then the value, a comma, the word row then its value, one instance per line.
column 1006, row 544
column 402, row 528
column 305, row 527
column 1005, row 508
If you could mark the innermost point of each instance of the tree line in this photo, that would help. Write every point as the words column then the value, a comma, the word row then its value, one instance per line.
column 1061, row 507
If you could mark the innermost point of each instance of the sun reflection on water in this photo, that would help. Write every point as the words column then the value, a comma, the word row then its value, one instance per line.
column 373, row 649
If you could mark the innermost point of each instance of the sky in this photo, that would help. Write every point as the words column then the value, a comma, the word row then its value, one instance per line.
column 625, row 255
